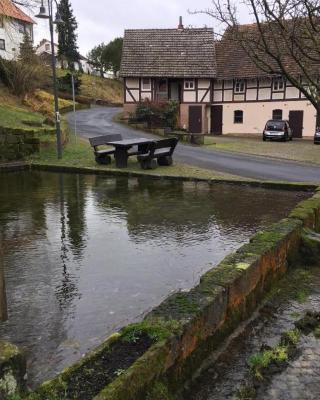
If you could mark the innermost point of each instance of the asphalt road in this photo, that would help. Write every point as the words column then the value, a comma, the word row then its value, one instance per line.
column 98, row 121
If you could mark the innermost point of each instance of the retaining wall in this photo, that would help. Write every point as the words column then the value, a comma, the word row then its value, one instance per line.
column 188, row 326
column 16, row 144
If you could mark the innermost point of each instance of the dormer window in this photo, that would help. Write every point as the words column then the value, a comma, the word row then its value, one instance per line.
column 146, row 84
column 239, row 86
column 189, row 84
column 278, row 84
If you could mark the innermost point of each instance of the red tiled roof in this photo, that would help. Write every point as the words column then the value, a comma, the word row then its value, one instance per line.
column 9, row 9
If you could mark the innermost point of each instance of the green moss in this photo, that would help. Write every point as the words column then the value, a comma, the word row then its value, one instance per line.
column 291, row 337
column 157, row 330
column 260, row 361
column 159, row 392
column 310, row 247
column 246, row 393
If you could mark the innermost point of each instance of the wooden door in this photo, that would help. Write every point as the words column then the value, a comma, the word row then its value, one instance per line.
column 216, row 120
column 195, row 119
column 296, row 123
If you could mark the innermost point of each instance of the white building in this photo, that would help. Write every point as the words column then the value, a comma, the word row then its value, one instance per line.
column 14, row 23
column 43, row 50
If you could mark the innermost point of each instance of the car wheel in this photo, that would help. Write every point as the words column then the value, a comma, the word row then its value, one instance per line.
column 285, row 139
column 290, row 138
column 264, row 138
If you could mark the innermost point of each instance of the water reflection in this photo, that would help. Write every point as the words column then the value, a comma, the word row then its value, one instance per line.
column 84, row 255
column 3, row 294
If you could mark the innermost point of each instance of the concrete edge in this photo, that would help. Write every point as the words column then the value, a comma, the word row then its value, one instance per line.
column 292, row 186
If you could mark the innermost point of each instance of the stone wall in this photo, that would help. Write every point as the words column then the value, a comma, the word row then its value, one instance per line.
column 16, row 144
column 12, row 371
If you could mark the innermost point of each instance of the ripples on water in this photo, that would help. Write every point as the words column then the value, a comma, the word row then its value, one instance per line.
column 84, row 255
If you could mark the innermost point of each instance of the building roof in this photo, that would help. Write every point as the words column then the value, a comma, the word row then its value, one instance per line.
column 179, row 53
column 9, row 9
column 234, row 62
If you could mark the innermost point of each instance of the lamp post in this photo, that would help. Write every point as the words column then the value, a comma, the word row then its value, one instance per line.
column 43, row 15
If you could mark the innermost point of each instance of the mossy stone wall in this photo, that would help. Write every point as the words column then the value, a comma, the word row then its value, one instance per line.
column 16, row 144
column 12, row 371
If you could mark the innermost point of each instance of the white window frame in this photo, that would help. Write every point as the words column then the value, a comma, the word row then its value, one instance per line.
column 47, row 47
column 146, row 86
column 189, row 84
column 4, row 44
column 239, row 86
column 278, row 84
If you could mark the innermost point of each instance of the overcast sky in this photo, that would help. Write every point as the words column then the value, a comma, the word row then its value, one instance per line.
column 103, row 20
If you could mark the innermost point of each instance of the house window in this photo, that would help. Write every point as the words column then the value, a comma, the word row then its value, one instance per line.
column 277, row 114
column 278, row 84
column 47, row 47
column 239, row 86
column 189, row 84
column 238, row 117
column 1, row 22
column 146, row 84
column 2, row 44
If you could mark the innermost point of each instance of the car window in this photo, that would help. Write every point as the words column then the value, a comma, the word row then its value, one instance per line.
column 275, row 126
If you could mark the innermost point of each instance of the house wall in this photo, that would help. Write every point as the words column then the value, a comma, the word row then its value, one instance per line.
column 184, row 116
column 255, row 90
column 256, row 114
column 13, row 32
column 257, row 102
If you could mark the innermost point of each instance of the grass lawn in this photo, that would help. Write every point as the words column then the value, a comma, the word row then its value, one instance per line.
column 14, row 117
column 80, row 154
column 297, row 150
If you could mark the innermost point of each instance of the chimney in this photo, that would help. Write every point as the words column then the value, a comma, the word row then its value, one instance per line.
column 180, row 23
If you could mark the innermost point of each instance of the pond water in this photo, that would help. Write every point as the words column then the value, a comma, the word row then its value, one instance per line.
column 85, row 255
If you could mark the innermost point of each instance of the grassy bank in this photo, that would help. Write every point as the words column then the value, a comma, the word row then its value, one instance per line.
column 79, row 154
column 297, row 150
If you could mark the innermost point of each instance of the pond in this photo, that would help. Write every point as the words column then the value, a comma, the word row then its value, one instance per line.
column 85, row 254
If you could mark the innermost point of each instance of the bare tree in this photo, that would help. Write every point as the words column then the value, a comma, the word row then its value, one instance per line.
column 284, row 39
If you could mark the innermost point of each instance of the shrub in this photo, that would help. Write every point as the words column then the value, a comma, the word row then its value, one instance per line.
column 156, row 114
column 20, row 77
column 65, row 83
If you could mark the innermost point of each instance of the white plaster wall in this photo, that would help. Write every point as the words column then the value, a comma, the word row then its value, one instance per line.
column 132, row 83
column 292, row 93
column 277, row 96
column 203, row 83
column 264, row 94
column 189, row 96
column 217, row 95
column 228, row 95
column 13, row 38
column 145, row 96
column 135, row 94
column 251, row 94
column 255, row 115
column 201, row 93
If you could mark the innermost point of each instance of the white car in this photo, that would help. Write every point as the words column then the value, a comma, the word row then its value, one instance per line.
column 277, row 129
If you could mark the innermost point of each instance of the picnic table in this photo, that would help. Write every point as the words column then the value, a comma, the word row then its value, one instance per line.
column 122, row 148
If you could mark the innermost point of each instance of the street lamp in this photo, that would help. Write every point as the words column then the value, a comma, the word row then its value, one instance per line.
column 43, row 15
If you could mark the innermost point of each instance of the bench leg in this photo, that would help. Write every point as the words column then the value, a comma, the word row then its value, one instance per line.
column 149, row 164
column 165, row 160
column 104, row 160
column 121, row 156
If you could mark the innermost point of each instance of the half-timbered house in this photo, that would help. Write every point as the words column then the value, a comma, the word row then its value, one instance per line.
column 219, row 88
